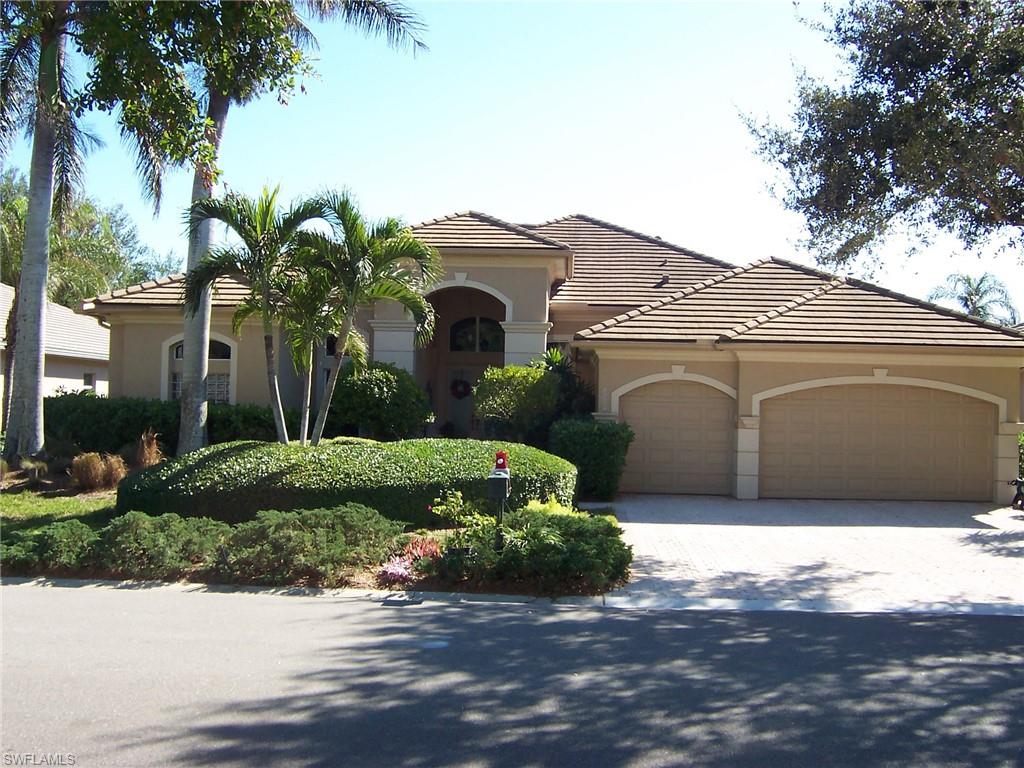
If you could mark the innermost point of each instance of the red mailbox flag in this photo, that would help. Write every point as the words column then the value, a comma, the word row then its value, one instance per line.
column 501, row 460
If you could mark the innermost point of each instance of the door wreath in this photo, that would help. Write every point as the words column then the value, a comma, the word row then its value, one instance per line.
column 461, row 389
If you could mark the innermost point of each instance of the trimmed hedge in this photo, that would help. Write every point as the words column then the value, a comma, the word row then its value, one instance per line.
column 598, row 449
column 107, row 424
column 232, row 482
column 383, row 401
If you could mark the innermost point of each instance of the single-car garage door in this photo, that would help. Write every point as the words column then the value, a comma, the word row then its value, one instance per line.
column 684, row 438
column 870, row 441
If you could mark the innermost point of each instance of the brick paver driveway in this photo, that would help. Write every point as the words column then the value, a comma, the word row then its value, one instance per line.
column 822, row 555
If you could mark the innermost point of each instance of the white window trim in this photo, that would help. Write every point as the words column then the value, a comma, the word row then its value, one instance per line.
column 165, row 364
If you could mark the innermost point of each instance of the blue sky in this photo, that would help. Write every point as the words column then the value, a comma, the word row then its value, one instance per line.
column 630, row 112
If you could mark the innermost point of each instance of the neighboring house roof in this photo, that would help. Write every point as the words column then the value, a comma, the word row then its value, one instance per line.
column 472, row 229
column 782, row 302
column 67, row 334
column 615, row 266
column 166, row 292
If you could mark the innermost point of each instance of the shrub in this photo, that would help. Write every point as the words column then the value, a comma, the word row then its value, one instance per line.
column 597, row 448
column 233, row 481
column 136, row 545
column 517, row 402
column 105, row 425
column 313, row 547
column 19, row 553
column 397, row 570
column 575, row 397
column 66, row 545
column 34, row 470
column 90, row 471
column 147, row 451
column 547, row 547
column 382, row 401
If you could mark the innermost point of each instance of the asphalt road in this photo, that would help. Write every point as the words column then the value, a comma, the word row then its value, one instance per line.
column 182, row 676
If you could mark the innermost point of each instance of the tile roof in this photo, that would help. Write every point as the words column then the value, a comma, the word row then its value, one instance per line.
column 166, row 292
column 67, row 334
column 854, row 312
column 472, row 229
column 616, row 266
column 708, row 309
column 783, row 302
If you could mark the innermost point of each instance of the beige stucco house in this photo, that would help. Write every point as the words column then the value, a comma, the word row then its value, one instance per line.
column 766, row 380
column 75, row 353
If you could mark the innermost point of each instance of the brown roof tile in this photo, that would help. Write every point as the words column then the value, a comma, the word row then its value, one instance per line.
column 166, row 292
column 854, row 312
column 713, row 307
column 473, row 229
column 615, row 266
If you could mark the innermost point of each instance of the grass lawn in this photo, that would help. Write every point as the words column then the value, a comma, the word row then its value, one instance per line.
column 27, row 511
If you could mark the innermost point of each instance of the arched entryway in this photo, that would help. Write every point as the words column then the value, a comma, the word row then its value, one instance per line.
column 468, row 337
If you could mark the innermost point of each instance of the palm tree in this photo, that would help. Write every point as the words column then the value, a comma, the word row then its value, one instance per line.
column 38, row 97
column 985, row 297
column 368, row 263
column 308, row 318
column 245, row 49
column 262, row 260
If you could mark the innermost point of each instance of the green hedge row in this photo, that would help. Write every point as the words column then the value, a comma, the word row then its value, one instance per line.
column 313, row 547
column 106, row 424
column 597, row 448
column 233, row 481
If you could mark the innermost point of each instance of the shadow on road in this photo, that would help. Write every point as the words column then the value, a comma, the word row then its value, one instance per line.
column 486, row 685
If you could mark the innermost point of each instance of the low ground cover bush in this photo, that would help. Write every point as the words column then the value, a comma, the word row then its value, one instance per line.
column 545, row 547
column 311, row 547
column 82, row 422
column 597, row 448
column 234, row 481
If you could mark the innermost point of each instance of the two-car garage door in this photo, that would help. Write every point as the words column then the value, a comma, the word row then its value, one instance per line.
column 869, row 441
column 857, row 441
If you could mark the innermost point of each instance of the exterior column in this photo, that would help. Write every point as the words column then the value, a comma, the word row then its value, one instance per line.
column 394, row 341
column 525, row 341
column 748, row 438
column 1007, row 463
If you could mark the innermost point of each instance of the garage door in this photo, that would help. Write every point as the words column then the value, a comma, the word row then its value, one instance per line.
column 684, row 439
column 868, row 441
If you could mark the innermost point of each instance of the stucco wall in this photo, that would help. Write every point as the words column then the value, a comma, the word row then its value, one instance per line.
column 137, row 349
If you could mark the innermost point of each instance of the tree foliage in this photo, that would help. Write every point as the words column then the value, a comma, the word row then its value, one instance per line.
column 985, row 297
column 96, row 250
column 928, row 132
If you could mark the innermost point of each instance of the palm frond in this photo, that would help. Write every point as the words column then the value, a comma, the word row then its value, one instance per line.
column 219, row 262
column 234, row 211
column 150, row 162
column 248, row 307
column 19, row 60
column 357, row 349
column 396, row 23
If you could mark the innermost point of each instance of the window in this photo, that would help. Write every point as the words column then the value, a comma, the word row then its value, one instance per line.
column 89, row 380
column 476, row 334
column 218, row 387
column 218, row 350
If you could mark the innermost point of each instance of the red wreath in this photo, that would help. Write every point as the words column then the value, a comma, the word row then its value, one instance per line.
column 461, row 389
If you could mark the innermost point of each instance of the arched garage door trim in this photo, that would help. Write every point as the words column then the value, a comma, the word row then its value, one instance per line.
column 678, row 374
column 837, row 381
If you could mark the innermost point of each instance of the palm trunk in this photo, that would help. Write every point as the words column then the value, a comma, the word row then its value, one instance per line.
column 307, row 385
column 275, row 392
column 196, row 342
column 25, row 424
column 332, row 380
column 10, row 342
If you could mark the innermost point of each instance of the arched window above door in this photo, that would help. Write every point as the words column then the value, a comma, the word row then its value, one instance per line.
column 476, row 334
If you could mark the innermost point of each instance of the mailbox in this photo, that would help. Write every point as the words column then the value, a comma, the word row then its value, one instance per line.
column 499, row 486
